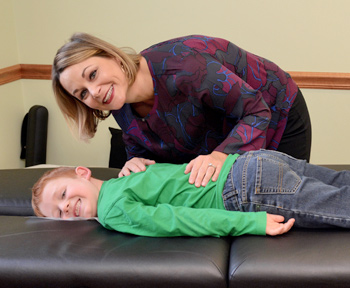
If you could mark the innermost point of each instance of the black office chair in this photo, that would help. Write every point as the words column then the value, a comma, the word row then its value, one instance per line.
column 34, row 136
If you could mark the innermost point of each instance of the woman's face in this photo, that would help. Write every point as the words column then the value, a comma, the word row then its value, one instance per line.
column 98, row 82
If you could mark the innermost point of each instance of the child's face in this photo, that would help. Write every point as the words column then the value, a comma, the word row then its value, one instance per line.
column 68, row 197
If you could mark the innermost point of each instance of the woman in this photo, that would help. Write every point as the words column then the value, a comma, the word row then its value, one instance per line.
column 192, row 99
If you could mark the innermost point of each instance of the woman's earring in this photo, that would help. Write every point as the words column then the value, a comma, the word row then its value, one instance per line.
column 122, row 67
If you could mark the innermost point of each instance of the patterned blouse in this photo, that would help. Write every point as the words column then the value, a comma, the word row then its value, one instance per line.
column 209, row 95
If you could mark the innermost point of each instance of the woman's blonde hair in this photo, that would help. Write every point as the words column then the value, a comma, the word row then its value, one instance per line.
column 80, row 47
column 40, row 185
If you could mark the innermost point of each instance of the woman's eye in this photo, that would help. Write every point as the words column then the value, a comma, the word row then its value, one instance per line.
column 63, row 194
column 83, row 94
column 93, row 74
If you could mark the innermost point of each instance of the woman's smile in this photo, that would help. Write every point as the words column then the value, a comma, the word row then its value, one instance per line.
column 109, row 96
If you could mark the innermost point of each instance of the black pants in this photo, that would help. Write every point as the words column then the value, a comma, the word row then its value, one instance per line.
column 296, row 139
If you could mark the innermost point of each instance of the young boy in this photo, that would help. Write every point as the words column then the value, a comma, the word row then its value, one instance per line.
column 161, row 203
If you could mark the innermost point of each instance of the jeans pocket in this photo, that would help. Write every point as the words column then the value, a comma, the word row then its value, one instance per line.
column 274, row 176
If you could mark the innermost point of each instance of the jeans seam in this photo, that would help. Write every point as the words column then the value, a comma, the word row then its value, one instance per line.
column 280, row 181
column 258, row 176
column 313, row 214
column 244, row 177
column 230, row 198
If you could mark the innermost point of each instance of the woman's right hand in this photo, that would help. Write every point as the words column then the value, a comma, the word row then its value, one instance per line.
column 135, row 165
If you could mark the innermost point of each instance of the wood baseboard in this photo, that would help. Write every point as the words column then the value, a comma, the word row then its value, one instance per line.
column 312, row 80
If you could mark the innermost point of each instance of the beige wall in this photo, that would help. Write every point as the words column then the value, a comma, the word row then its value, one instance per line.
column 299, row 35
column 11, row 98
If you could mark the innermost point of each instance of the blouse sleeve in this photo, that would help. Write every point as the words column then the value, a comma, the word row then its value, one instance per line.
column 133, row 149
column 246, row 115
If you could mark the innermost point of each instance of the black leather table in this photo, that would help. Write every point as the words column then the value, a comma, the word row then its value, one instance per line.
column 49, row 253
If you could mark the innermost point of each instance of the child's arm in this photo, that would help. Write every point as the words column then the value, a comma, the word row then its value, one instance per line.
column 164, row 220
column 275, row 225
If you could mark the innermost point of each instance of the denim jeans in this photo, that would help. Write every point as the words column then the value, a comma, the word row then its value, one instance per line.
column 264, row 180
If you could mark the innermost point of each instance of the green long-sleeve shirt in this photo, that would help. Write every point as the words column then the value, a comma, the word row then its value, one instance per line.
column 160, row 202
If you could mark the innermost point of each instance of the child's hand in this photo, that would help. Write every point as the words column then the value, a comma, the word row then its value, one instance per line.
column 275, row 225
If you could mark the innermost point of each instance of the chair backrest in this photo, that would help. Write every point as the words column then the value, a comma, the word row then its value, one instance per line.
column 34, row 136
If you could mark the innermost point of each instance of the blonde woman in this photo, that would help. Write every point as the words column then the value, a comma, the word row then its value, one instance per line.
column 192, row 99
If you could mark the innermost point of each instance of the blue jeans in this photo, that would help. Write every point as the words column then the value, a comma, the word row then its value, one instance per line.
column 274, row 182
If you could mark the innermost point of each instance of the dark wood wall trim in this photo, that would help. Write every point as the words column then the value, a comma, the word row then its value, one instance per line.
column 313, row 80
column 10, row 74
column 322, row 80
column 32, row 71
column 24, row 71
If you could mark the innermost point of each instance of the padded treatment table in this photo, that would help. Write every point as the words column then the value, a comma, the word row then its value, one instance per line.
column 37, row 252
column 49, row 253
column 300, row 258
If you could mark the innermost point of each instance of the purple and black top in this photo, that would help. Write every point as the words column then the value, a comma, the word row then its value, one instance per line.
column 209, row 95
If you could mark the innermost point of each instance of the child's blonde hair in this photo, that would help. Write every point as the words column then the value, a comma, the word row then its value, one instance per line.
column 39, row 186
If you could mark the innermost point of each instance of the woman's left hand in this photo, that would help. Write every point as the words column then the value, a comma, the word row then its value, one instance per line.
column 205, row 167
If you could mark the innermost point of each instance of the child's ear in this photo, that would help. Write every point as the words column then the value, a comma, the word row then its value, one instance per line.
column 83, row 172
